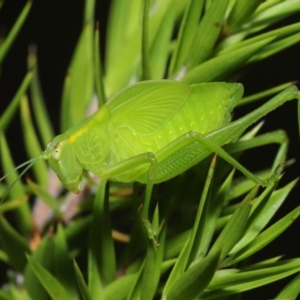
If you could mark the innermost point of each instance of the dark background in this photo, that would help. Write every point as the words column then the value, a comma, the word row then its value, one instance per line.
column 54, row 26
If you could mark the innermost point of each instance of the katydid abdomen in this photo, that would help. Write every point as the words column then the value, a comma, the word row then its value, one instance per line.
column 203, row 108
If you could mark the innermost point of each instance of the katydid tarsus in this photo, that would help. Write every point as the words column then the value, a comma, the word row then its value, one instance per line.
column 153, row 131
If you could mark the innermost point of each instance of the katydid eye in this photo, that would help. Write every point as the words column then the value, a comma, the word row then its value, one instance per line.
column 56, row 152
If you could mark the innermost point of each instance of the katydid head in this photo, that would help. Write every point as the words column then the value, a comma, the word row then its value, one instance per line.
column 62, row 159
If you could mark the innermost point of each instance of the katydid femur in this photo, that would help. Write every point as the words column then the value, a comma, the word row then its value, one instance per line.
column 153, row 131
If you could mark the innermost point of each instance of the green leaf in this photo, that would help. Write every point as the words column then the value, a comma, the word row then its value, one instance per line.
column 94, row 276
column 14, row 245
column 146, row 71
column 213, row 213
column 123, row 44
column 5, row 46
column 16, row 189
column 54, row 288
column 235, row 227
column 291, row 291
column 123, row 21
column 98, row 72
column 79, row 90
column 62, row 264
column 242, row 10
column 190, row 284
column 266, row 237
column 207, row 33
column 275, row 47
column 246, row 280
column 160, row 47
column 9, row 112
column 153, row 264
column 135, row 289
column 81, row 283
column 190, row 248
column 186, row 34
column 263, row 210
column 32, row 144
column 233, row 42
column 174, row 245
column 120, row 288
column 269, row 92
column 219, row 67
column 196, row 237
column 100, row 240
column 41, row 256
column 274, row 13
column 38, row 103
column 12, row 204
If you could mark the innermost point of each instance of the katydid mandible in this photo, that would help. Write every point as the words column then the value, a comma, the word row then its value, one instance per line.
column 153, row 131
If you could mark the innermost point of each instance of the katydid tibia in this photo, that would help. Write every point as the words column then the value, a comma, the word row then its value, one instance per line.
column 153, row 131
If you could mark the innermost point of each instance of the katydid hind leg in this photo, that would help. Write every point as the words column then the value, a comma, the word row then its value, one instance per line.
column 191, row 148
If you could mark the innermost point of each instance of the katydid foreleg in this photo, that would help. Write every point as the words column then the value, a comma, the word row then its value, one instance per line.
column 131, row 163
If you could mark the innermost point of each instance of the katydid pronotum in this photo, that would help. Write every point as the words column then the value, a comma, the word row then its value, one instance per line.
column 153, row 131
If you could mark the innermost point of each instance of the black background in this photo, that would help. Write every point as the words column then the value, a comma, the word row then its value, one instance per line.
column 54, row 26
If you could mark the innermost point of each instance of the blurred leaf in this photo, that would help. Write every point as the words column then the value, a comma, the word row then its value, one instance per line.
column 15, row 188
column 81, row 283
column 94, row 277
column 79, row 90
column 64, row 115
column 8, row 114
column 98, row 72
column 118, row 289
column 32, row 144
column 100, row 240
column 12, row 204
column 14, row 245
column 38, row 103
column 41, row 193
column 174, row 245
column 63, row 268
column 50, row 283
column 146, row 71
column 5, row 46
column 41, row 256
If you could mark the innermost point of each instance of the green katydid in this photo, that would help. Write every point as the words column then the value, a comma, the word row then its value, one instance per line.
column 153, row 131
